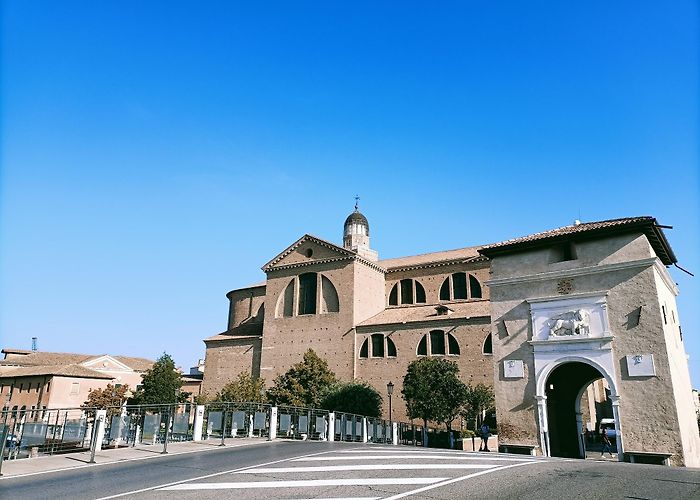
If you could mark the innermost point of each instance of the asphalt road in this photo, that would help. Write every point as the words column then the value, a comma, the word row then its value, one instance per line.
column 296, row 470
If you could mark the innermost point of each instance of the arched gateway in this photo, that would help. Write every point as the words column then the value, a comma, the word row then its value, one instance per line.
column 586, row 335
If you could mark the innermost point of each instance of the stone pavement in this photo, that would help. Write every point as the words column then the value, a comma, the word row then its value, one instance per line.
column 67, row 461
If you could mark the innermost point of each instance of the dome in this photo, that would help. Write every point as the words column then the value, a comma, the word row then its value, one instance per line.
column 356, row 219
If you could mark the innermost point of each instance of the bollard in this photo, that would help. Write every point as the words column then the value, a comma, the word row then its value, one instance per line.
column 98, row 432
column 5, row 430
column 395, row 433
column 198, row 423
column 364, row 430
column 250, row 425
column 272, row 434
column 223, row 428
column 167, row 433
column 331, row 426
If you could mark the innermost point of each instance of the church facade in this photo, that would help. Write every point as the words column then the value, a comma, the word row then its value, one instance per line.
column 538, row 318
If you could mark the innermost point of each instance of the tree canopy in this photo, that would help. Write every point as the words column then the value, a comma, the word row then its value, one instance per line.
column 161, row 384
column 304, row 384
column 243, row 388
column 432, row 390
column 478, row 399
column 353, row 397
column 109, row 397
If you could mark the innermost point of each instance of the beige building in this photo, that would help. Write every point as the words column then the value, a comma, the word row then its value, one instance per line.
column 540, row 318
column 33, row 380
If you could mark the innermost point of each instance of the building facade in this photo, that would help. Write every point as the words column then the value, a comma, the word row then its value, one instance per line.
column 539, row 318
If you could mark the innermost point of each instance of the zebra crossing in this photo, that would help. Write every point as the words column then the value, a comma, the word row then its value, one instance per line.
column 353, row 474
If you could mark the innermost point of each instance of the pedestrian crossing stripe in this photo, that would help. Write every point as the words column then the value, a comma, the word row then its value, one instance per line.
column 364, row 467
column 424, row 456
column 304, row 483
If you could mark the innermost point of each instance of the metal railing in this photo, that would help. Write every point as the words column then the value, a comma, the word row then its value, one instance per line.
column 51, row 431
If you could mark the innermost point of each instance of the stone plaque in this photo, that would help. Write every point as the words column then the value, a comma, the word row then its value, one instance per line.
column 640, row 365
column 513, row 368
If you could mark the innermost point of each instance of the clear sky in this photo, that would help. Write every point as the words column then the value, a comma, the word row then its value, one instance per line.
column 156, row 154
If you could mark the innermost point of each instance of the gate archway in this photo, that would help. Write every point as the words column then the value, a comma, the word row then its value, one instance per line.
column 564, row 387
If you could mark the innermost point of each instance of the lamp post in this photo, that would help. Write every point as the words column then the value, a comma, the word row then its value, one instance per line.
column 390, row 391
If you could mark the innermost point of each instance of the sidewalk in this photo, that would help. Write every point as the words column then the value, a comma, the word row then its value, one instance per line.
column 67, row 461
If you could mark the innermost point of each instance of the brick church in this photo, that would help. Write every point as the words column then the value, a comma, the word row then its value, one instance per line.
column 540, row 318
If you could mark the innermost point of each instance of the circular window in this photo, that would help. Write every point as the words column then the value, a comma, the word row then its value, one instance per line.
column 309, row 252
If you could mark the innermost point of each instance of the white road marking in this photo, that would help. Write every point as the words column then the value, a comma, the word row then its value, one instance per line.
column 456, row 480
column 124, row 460
column 305, row 483
column 151, row 488
column 404, row 456
column 334, row 468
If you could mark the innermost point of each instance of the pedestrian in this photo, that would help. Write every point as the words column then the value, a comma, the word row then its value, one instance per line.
column 606, row 444
column 485, row 433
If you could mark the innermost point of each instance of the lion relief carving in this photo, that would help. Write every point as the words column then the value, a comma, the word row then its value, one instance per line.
column 570, row 323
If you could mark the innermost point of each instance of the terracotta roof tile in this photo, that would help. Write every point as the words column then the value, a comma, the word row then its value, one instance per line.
column 430, row 258
column 643, row 224
column 428, row 312
column 72, row 370
column 40, row 358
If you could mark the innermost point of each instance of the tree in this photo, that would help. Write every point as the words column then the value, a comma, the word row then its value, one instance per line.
column 244, row 388
column 353, row 397
column 160, row 384
column 433, row 392
column 111, row 397
column 479, row 399
column 304, row 384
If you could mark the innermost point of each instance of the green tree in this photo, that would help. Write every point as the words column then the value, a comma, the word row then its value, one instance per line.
column 111, row 398
column 304, row 384
column 244, row 388
column 161, row 384
column 353, row 397
column 433, row 392
column 478, row 400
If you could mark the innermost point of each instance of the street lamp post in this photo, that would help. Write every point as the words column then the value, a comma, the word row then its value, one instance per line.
column 390, row 391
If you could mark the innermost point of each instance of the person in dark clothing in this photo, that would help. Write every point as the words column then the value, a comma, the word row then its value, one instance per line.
column 485, row 433
column 607, row 446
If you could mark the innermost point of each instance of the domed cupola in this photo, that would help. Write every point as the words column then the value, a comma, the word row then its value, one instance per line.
column 356, row 233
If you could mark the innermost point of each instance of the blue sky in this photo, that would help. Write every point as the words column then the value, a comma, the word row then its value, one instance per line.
column 155, row 155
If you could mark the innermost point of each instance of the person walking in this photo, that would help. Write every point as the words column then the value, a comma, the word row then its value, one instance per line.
column 607, row 446
column 485, row 433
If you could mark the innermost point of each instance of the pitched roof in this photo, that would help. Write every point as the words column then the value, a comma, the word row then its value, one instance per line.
column 243, row 331
column 588, row 230
column 307, row 237
column 41, row 358
column 413, row 314
column 460, row 255
column 71, row 370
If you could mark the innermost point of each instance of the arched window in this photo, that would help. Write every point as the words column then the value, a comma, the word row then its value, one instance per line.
column 304, row 289
column 474, row 287
column 307, row 293
column 407, row 291
column 488, row 345
column 423, row 346
column 390, row 348
column 455, row 287
column 364, row 350
column 381, row 347
column 438, row 343
column 329, row 297
column 285, row 302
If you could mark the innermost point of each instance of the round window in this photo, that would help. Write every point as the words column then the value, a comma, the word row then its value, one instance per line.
column 309, row 252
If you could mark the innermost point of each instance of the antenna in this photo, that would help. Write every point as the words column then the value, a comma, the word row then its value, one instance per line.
column 34, row 348
column 357, row 202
